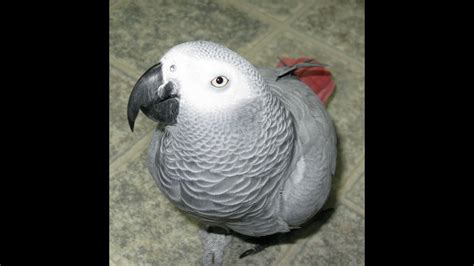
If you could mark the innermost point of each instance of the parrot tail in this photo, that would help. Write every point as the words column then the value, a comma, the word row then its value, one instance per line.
column 317, row 78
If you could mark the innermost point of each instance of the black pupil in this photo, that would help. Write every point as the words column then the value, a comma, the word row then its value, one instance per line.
column 219, row 80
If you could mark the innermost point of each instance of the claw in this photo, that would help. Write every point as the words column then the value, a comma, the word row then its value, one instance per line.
column 254, row 250
column 246, row 253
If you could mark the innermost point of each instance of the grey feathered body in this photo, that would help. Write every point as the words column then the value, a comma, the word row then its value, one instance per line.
column 262, row 168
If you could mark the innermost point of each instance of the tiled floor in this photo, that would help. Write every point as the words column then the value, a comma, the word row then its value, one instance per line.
column 145, row 229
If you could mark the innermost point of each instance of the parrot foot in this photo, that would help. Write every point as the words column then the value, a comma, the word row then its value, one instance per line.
column 262, row 243
column 214, row 244
column 257, row 248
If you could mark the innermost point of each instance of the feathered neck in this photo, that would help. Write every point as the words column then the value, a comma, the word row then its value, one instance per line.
column 245, row 121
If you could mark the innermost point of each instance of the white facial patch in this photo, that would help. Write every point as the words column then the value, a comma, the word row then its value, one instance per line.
column 199, row 82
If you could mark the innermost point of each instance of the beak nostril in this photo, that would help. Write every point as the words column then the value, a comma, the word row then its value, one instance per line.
column 166, row 91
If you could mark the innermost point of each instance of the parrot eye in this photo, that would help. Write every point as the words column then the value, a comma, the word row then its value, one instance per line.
column 219, row 81
column 172, row 68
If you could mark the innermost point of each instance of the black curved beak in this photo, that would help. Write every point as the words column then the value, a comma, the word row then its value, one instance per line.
column 156, row 100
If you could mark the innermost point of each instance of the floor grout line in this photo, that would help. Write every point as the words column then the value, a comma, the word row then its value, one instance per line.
column 115, row 4
column 349, row 184
column 262, row 38
column 275, row 27
column 354, row 207
column 298, row 14
column 306, row 9
column 133, row 152
column 283, row 26
column 272, row 22
column 272, row 34
column 253, row 12
column 341, row 55
column 124, row 67
column 351, row 173
column 119, row 154
column 130, row 74
column 291, row 252
column 354, row 174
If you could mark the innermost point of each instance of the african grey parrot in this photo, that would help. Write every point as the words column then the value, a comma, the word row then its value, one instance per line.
column 244, row 148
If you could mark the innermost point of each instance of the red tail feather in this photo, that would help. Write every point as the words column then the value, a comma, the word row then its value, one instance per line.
column 317, row 78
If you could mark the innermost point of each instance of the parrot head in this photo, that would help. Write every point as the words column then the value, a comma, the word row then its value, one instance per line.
column 198, row 76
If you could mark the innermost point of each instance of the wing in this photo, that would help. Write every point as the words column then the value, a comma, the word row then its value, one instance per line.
column 314, row 162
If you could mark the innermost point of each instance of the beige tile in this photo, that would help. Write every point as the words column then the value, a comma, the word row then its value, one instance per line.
column 145, row 228
column 339, row 241
column 141, row 31
column 339, row 23
column 113, row 3
column 356, row 194
column 281, row 10
column 121, row 137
